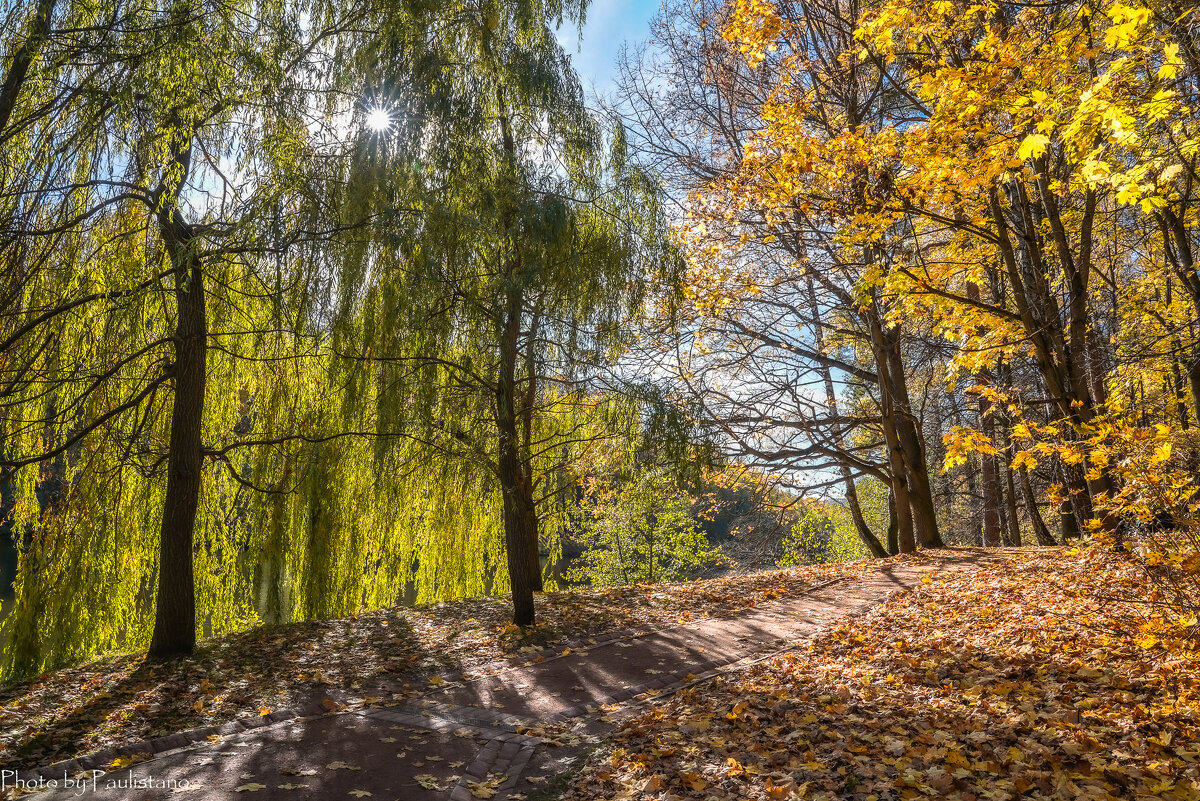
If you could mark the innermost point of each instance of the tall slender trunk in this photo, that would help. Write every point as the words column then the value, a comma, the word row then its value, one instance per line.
column 988, row 474
column 1040, row 529
column 175, row 609
column 22, row 60
column 920, row 490
column 893, row 532
column 860, row 524
column 520, row 517
column 888, row 418
column 1014, row 521
column 905, row 536
column 989, row 477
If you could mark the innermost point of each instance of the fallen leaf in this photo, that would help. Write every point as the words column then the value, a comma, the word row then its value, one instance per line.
column 428, row 781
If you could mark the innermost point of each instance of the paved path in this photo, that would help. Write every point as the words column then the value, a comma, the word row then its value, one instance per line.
column 477, row 735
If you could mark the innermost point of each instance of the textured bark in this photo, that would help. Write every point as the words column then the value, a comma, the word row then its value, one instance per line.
column 22, row 60
column 1068, row 512
column 1013, row 535
column 990, row 479
column 1040, row 529
column 175, row 609
column 860, row 524
column 893, row 532
column 920, row 490
column 520, row 514
column 906, row 540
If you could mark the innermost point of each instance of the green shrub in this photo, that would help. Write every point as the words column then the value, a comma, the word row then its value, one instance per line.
column 640, row 532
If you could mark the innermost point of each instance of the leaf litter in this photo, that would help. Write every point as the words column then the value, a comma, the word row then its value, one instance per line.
column 122, row 698
column 1021, row 679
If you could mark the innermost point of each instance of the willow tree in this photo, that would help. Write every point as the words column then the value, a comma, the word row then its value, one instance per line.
column 152, row 230
column 513, row 238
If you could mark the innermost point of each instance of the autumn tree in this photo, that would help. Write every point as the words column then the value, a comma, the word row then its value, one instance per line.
column 534, row 241
column 784, row 316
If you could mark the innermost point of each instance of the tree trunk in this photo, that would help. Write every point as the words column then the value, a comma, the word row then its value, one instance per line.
column 906, row 540
column 520, row 516
column 1068, row 511
column 22, row 60
column 1044, row 537
column 920, row 491
column 1014, row 521
column 520, row 529
column 516, row 483
column 893, row 532
column 988, row 476
column 175, row 609
column 860, row 524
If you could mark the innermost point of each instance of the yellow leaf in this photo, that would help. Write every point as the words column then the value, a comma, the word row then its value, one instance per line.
column 1033, row 146
column 1171, row 62
column 1146, row 641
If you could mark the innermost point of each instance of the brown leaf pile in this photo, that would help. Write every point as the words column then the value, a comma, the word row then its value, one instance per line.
column 1009, row 681
column 124, row 698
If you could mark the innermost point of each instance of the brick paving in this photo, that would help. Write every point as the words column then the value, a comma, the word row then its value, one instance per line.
column 501, row 732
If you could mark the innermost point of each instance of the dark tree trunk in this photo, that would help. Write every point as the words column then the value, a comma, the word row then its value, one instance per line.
column 1040, row 530
column 520, row 516
column 990, row 479
column 888, row 419
column 860, row 524
column 22, row 60
column 516, row 483
column 920, row 491
column 893, row 532
column 175, row 610
column 1068, row 511
column 988, row 474
column 1013, row 538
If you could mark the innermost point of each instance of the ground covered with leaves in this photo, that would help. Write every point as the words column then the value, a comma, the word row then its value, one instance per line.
column 1025, row 679
column 126, row 698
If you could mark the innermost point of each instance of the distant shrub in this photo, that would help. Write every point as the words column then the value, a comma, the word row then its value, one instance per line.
column 640, row 532
column 824, row 534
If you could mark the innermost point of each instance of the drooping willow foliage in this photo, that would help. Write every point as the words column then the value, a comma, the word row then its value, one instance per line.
column 354, row 293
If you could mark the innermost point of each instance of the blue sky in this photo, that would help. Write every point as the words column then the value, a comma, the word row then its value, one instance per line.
column 609, row 24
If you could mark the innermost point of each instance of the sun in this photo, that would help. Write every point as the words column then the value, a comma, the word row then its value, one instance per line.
column 378, row 119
